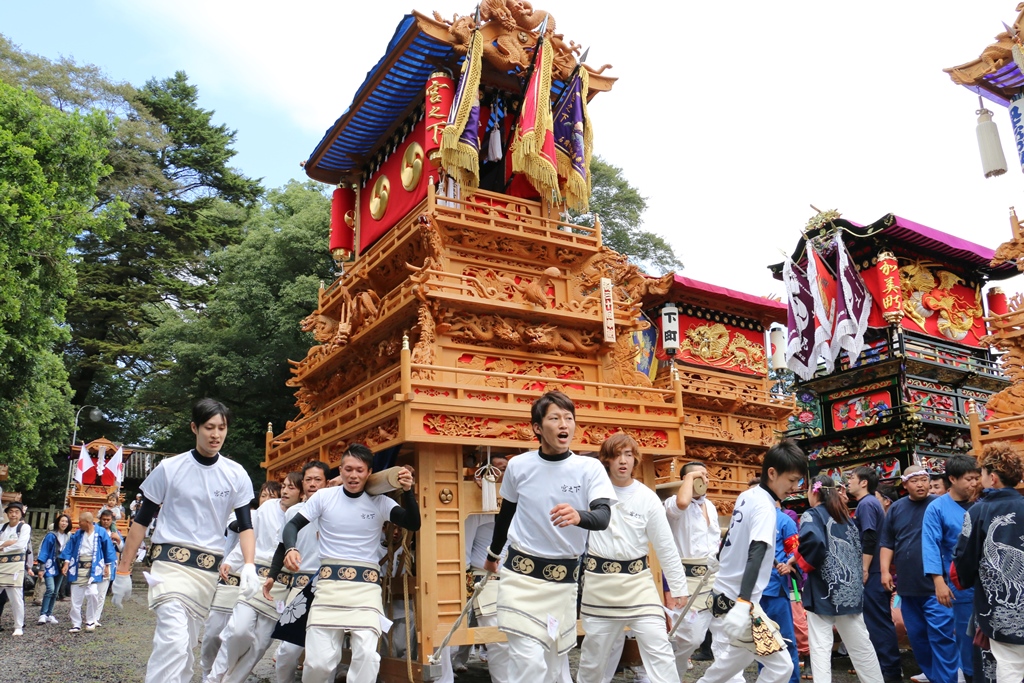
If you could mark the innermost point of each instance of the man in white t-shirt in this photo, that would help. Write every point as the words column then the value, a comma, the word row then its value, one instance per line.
column 195, row 493
column 693, row 519
column 348, row 594
column 746, row 561
column 551, row 499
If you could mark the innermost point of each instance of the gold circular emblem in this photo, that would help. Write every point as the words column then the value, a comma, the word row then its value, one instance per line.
column 205, row 560
column 3, row 560
column 636, row 566
column 700, row 570
column 412, row 166
column 179, row 554
column 302, row 581
column 379, row 197
column 611, row 567
column 370, row 576
column 325, row 572
column 591, row 564
column 350, row 218
column 233, row 581
column 523, row 565
column 263, row 572
column 349, row 573
column 157, row 549
column 576, row 573
column 446, row 496
column 555, row 572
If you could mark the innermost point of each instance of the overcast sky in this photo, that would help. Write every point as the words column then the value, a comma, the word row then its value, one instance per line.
column 730, row 118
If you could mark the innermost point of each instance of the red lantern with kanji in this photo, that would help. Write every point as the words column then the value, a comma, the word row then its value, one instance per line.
column 890, row 299
column 439, row 95
column 343, row 222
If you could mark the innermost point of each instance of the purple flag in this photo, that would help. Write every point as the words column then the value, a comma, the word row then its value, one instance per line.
column 853, row 306
column 800, row 356
column 574, row 142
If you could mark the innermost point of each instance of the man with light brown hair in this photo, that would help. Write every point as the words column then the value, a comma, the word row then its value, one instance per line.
column 991, row 552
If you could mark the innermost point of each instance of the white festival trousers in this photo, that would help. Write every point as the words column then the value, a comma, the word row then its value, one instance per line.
column 174, row 640
column 690, row 636
column 605, row 636
column 855, row 636
column 213, row 633
column 287, row 662
column 88, row 594
column 778, row 667
column 323, row 654
column 16, row 596
column 103, row 587
column 531, row 662
column 247, row 642
column 1009, row 661
column 497, row 653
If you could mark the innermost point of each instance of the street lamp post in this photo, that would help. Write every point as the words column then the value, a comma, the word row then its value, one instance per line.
column 95, row 415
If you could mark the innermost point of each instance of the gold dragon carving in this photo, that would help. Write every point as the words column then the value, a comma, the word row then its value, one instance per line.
column 425, row 350
column 502, row 332
column 927, row 291
column 714, row 345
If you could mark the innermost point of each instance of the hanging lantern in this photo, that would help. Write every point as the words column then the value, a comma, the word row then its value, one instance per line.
column 343, row 222
column 993, row 162
column 439, row 95
column 891, row 300
column 778, row 339
column 670, row 329
column 996, row 301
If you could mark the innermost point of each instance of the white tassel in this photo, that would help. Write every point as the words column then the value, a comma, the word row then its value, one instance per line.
column 494, row 144
column 488, row 476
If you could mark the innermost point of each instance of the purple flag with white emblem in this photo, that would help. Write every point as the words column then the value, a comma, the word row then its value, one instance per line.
column 853, row 306
column 800, row 356
column 574, row 142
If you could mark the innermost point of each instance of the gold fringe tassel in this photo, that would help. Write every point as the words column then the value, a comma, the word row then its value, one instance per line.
column 526, row 154
column 461, row 160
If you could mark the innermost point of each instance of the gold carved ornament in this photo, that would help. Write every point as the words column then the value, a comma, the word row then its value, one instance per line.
column 379, row 197
column 412, row 167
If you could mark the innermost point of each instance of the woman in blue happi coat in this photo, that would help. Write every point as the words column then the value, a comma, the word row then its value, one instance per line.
column 49, row 565
column 87, row 557
column 833, row 594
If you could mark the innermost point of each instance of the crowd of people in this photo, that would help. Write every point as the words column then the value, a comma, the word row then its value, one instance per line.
column 302, row 565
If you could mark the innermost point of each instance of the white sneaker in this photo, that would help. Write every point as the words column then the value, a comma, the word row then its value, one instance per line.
column 18, row 632
column 919, row 678
column 52, row 619
column 689, row 664
column 90, row 627
column 42, row 619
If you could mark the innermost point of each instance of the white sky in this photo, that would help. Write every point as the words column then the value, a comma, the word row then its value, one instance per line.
column 730, row 118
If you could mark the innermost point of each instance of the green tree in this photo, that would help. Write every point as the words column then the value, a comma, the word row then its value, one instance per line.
column 235, row 348
column 620, row 207
column 50, row 165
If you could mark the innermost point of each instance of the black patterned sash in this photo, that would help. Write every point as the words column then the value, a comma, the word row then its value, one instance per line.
column 601, row 565
column 557, row 570
column 348, row 572
column 284, row 578
column 186, row 556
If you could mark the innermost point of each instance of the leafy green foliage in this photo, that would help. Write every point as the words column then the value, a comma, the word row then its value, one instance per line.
column 620, row 207
column 235, row 348
column 50, row 165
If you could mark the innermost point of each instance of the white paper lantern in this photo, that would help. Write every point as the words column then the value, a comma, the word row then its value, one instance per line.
column 993, row 162
column 778, row 338
column 670, row 328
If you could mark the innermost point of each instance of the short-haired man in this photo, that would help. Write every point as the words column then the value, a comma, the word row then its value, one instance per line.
column 15, row 544
column 693, row 519
column 314, row 477
column 551, row 498
column 197, row 490
column 943, row 520
column 991, row 552
column 869, row 517
column 746, row 561
column 938, row 484
column 929, row 623
column 348, row 593
column 106, row 522
column 87, row 559
column 617, row 589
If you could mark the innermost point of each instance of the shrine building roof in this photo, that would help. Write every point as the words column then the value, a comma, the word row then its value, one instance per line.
column 394, row 87
column 895, row 230
column 686, row 290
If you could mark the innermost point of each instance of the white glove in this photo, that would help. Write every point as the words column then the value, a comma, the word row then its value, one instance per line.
column 736, row 623
column 248, row 583
column 122, row 589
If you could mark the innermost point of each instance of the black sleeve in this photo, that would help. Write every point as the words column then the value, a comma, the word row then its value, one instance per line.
column 243, row 519
column 597, row 517
column 289, row 537
column 146, row 512
column 408, row 515
column 754, row 558
column 869, row 544
column 501, row 524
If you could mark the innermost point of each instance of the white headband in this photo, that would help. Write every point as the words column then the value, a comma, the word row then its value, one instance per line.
column 920, row 473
